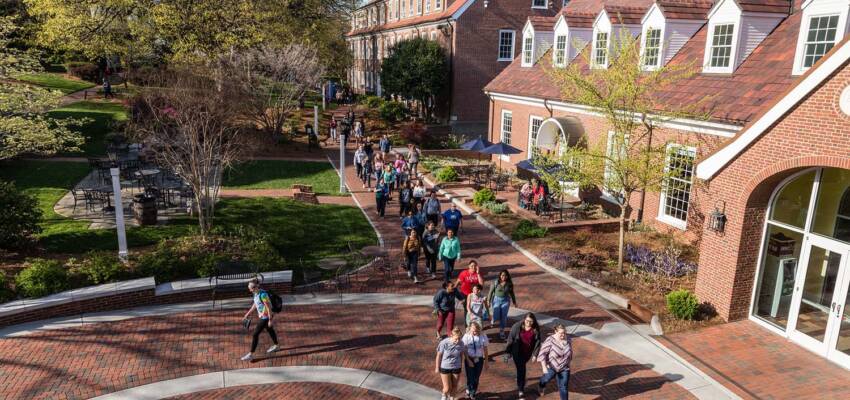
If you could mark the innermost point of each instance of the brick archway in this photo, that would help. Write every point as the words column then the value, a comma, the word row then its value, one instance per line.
column 754, row 199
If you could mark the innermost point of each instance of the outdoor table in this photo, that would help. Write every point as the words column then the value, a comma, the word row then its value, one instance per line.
column 148, row 172
column 106, row 190
column 373, row 251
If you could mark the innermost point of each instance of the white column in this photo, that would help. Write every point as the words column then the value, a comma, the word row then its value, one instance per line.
column 119, row 213
column 342, row 163
column 324, row 100
column 316, row 120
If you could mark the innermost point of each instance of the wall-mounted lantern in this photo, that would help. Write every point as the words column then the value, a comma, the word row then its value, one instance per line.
column 717, row 219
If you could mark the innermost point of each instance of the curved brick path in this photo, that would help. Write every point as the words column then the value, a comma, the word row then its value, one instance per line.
column 100, row 358
column 291, row 391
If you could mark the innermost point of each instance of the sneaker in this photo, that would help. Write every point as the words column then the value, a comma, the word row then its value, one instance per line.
column 272, row 349
column 541, row 390
column 520, row 395
column 502, row 335
column 433, row 276
column 409, row 274
column 468, row 393
column 248, row 357
column 415, row 279
column 443, row 397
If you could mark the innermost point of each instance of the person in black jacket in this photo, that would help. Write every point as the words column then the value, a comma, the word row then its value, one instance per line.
column 444, row 307
column 523, row 344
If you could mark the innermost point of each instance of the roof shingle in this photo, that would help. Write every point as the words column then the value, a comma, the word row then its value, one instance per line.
column 685, row 9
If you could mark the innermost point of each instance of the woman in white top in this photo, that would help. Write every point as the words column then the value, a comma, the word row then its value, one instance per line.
column 476, row 343
column 476, row 304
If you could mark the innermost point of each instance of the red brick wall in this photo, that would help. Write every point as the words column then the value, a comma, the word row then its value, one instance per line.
column 596, row 131
column 477, row 50
column 125, row 301
column 815, row 133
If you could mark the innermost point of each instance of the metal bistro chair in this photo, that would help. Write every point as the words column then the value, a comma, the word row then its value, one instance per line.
column 79, row 195
column 312, row 278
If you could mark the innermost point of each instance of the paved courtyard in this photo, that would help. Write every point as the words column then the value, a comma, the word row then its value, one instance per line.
column 374, row 345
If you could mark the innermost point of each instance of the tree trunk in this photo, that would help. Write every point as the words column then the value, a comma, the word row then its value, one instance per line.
column 621, row 244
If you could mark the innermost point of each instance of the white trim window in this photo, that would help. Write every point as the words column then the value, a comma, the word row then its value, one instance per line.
column 560, row 51
column 528, row 51
column 410, row 9
column 609, row 174
column 434, row 35
column 438, row 4
column 533, row 129
column 652, row 48
column 720, row 52
column 507, row 126
column 676, row 193
column 820, row 38
column 506, row 45
column 540, row 4
column 600, row 50
column 427, row 6
column 419, row 7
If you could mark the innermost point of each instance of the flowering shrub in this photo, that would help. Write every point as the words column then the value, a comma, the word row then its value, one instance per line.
column 666, row 262
column 558, row 259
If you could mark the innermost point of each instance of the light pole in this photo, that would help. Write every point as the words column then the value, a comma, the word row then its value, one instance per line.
column 342, row 162
column 119, row 213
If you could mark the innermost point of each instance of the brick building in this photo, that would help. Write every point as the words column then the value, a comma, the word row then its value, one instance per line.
column 480, row 38
column 773, row 158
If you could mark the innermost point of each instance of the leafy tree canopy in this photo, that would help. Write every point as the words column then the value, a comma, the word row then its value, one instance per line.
column 416, row 69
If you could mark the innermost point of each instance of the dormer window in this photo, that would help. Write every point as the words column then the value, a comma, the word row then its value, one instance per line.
column 651, row 48
column 539, row 4
column 560, row 50
column 721, row 46
column 600, row 50
column 820, row 38
column 527, row 51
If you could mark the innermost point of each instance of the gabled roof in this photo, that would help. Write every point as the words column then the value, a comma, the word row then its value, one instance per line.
column 625, row 15
column 779, row 108
column 447, row 13
column 736, row 98
column 767, row 6
column 579, row 19
column 542, row 24
column 684, row 9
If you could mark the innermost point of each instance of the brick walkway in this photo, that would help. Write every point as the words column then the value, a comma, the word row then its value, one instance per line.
column 291, row 390
column 396, row 340
column 758, row 364
column 339, row 200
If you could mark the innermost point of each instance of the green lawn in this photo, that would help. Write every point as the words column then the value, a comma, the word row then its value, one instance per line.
column 280, row 174
column 299, row 231
column 102, row 116
column 55, row 81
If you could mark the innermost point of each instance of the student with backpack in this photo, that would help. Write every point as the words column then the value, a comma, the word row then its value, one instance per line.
column 266, row 304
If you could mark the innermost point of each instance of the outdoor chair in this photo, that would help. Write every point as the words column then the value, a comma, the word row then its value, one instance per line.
column 231, row 276
column 93, row 199
column 78, row 195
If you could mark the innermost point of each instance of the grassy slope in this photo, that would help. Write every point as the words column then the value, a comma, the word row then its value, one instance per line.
column 101, row 114
column 279, row 174
column 55, row 81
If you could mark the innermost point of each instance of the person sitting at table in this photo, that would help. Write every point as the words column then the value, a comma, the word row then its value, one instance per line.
column 525, row 196
column 540, row 193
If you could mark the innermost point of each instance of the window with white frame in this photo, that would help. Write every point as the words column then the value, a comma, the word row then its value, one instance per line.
column 410, row 8
column 533, row 129
column 427, row 6
column 539, row 4
column 506, row 45
column 600, row 49
column 560, row 50
column 419, row 6
column 721, row 46
column 402, row 4
column 507, row 125
column 527, row 51
column 438, row 4
column 433, row 35
column 652, row 48
column 676, row 194
column 820, row 38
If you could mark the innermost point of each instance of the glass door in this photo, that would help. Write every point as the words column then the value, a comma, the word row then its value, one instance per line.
column 839, row 347
column 818, row 290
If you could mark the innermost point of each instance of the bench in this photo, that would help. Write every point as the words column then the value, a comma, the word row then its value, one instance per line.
column 232, row 276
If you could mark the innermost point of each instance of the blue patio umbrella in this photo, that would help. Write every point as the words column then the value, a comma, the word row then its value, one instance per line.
column 476, row 145
column 501, row 149
column 529, row 166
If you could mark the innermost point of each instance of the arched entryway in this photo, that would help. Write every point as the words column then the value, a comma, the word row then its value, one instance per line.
column 802, row 283
column 555, row 132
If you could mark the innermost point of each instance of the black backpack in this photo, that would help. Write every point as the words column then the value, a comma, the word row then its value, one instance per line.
column 277, row 301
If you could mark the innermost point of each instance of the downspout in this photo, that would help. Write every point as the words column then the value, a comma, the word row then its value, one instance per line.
column 550, row 109
column 490, row 117
column 451, row 65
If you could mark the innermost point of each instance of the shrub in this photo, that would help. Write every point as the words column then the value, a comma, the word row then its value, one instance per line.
column 6, row 294
column 101, row 267
column 528, row 229
column 42, row 277
column 558, row 259
column 483, row 196
column 682, row 304
column 84, row 70
column 373, row 101
column 666, row 262
column 495, row 207
column 414, row 132
column 145, row 75
column 447, row 174
column 392, row 111
column 20, row 217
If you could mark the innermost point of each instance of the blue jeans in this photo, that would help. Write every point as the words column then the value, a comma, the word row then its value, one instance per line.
column 501, row 305
column 448, row 267
column 562, row 379
column 473, row 375
column 413, row 262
